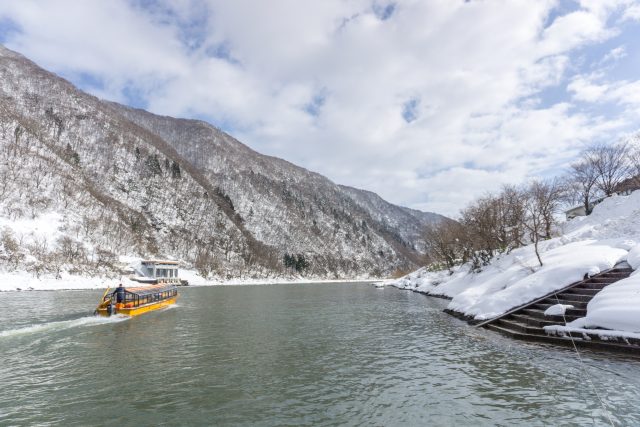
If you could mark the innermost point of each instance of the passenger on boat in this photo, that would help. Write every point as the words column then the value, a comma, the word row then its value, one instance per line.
column 119, row 293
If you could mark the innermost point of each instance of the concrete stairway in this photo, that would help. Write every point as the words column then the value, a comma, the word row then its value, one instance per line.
column 527, row 322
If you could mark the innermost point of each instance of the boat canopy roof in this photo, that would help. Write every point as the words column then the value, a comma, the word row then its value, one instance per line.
column 159, row 261
column 150, row 289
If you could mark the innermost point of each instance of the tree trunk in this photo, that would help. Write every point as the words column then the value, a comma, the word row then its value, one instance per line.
column 535, row 246
column 587, row 206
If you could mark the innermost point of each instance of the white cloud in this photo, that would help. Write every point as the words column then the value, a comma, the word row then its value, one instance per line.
column 615, row 54
column 473, row 73
column 593, row 88
column 584, row 89
column 627, row 93
column 632, row 13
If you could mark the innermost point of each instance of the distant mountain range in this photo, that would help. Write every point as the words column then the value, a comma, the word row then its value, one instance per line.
column 124, row 181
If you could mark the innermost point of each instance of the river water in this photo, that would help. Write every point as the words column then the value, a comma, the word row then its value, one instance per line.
column 316, row 354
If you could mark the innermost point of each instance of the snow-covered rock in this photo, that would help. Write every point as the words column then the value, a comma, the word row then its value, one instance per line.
column 557, row 310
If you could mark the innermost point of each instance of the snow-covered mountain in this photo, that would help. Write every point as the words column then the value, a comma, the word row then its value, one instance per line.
column 104, row 180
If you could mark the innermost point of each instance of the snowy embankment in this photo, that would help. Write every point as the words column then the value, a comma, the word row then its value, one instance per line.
column 25, row 281
column 616, row 308
column 586, row 246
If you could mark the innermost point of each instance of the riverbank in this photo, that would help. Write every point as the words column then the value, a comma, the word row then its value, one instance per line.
column 583, row 247
column 24, row 281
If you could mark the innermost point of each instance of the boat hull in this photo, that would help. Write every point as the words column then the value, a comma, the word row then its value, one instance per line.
column 136, row 311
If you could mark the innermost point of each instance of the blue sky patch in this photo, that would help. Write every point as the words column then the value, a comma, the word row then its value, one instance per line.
column 410, row 110
column 317, row 102
column 7, row 29
column 384, row 11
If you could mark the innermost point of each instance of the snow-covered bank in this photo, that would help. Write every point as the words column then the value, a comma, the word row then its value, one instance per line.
column 516, row 280
column 195, row 279
column 617, row 306
column 24, row 281
column 586, row 246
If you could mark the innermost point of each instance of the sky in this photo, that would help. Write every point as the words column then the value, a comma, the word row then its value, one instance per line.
column 429, row 103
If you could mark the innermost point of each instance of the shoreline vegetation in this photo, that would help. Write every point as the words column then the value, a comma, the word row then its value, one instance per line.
column 508, row 249
column 583, row 246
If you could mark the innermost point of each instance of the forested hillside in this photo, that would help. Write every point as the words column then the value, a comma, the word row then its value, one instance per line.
column 84, row 182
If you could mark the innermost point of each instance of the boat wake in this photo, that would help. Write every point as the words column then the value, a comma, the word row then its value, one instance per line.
column 61, row 325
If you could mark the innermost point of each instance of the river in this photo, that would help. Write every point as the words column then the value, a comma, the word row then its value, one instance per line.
column 311, row 354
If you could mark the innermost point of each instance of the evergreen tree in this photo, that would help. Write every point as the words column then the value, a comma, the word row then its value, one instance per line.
column 289, row 261
column 301, row 263
column 296, row 262
column 175, row 170
column 153, row 165
column 72, row 155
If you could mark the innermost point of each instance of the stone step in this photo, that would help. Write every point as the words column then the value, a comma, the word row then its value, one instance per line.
column 582, row 291
column 570, row 314
column 542, row 305
column 504, row 331
column 616, row 277
column 603, row 280
column 573, row 297
column 575, row 311
column 521, row 327
column 575, row 303
column 615, row 271
column 612, row 275
column 594, row 337
column 592, row 285
column 528, row 322
column 593, row 344
column 537, row 321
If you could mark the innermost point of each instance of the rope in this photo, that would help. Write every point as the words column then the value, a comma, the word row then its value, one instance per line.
column 584, row 369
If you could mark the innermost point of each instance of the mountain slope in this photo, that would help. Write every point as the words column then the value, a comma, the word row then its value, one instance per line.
column 126, row 182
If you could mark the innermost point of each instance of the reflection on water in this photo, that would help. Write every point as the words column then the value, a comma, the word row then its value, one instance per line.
column 332, row 354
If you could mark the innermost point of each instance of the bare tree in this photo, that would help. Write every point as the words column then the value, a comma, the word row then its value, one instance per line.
column 549, row 194
column 481, row 219
column 541, row 203
column 493, row 224
column 612, row 164
column 582, row 179
column 634, row 159
column 205, row 262
column 510, row 202
column 445, row 243
column 10, row 248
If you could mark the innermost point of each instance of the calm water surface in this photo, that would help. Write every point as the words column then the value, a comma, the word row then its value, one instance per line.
column 322, row 354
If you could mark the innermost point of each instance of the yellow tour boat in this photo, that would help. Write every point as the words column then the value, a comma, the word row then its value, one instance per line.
column 132, row 301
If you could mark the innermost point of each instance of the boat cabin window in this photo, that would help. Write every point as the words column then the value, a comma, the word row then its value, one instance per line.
column 166, row 272
column 134, row 299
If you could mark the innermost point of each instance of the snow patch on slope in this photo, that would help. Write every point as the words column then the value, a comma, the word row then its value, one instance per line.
column 44, row 226
column 502, row 287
